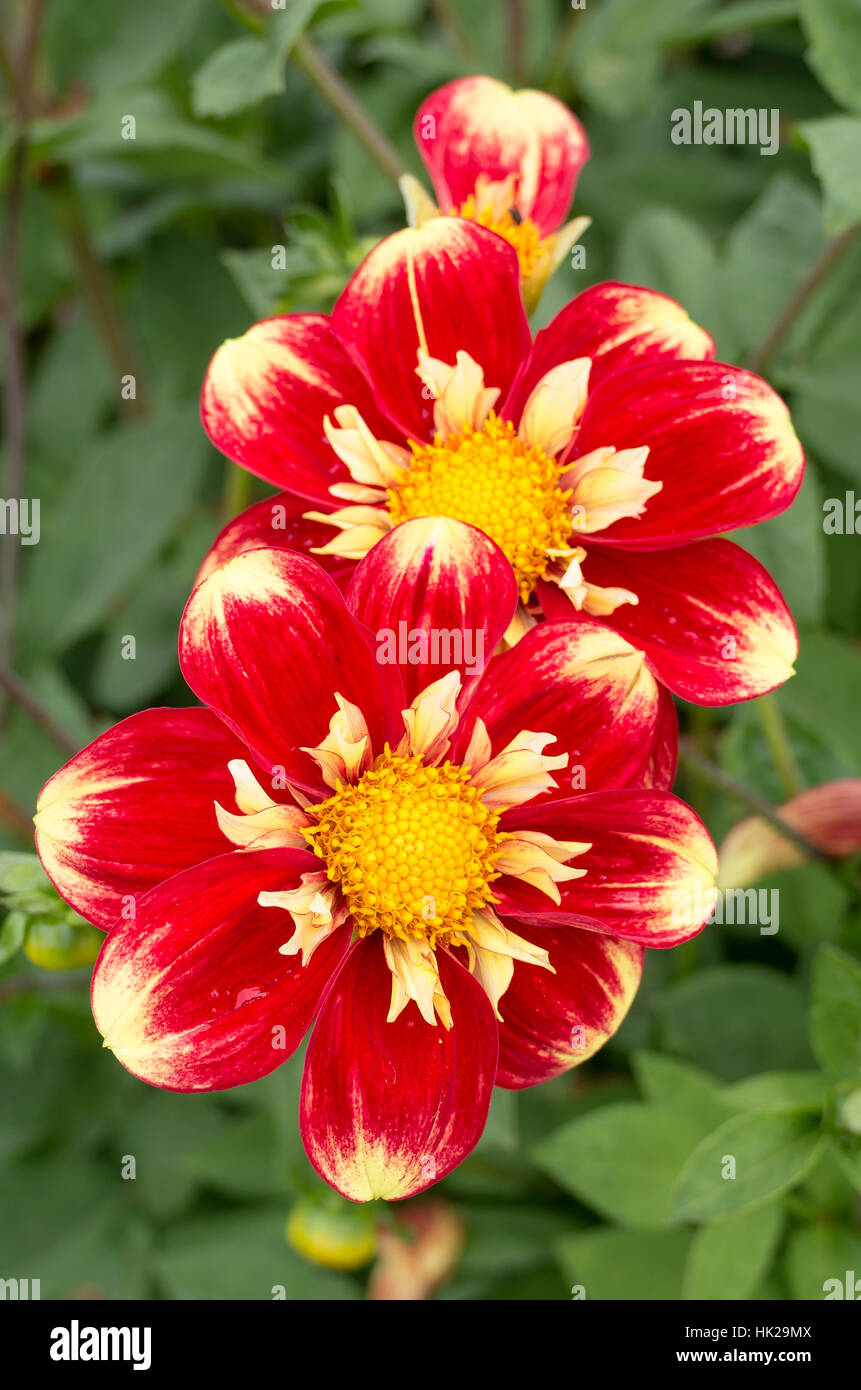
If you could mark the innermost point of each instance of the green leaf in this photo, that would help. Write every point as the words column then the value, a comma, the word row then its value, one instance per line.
column 241, row 1159
column 736, row 1019
column 617, row 57
column 768, row 254
column 825, row 692
column 236, row 76
column 669, row 1081
column 835, row 150
column 12, row 932
column 243, row 1255
column 122, row 500
column 161, row 1129
column 834, row 30
column 667, row 251
column 622, row 1160
column 835, row 1012
column 730, row 1254
column 262, row 286
column 151, row 617
column 792, row 548
column 615, row 1264
column 106, row 47
column 778, row 1090
column 510, row 1238
column 819, row 1259
column 164, row 141
column 21, row 873
column 771, row 1151
column 245, row 71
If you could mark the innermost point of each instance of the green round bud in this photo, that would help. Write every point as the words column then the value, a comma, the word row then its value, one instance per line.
column 335, row 1234
column 62, row 946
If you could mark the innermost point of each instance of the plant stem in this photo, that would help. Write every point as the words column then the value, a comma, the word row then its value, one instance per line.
column 772, row 340
column 23, row 696
column 516, row 40
column 116, row 340
column 334, row 91
column 692, row 759
column 236, row 494
column 771, row 719
column 14, row 398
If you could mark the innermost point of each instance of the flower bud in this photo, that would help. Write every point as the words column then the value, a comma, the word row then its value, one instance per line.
column 331, row 1231
column 62, row 945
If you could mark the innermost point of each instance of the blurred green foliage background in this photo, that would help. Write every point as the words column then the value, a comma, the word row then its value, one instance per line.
column 140, row 257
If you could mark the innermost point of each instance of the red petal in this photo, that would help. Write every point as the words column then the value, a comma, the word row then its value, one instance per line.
column 650, row 872
column 390, row 1108
column 618, row 326
column 710, row 619
column 477, row 125
column 553, row 1022
column 659, row 770
column 278, row 522
column 448, row 286
column 595, row 696
column 136, row 807
column 265, row 396
column 267, row 642
column 192, row 995
column 719, row 438
column 440, row 578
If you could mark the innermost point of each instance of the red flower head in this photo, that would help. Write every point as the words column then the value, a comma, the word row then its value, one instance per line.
column 394, row 844
column 508, row 160
column 601, row 457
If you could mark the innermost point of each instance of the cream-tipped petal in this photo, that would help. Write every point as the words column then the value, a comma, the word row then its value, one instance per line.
column 281, row 825
column 317, row 910
column 415, row 975
column 555, row 406
column 418, row 204
column 520, row 624
column 345, row 752
column 250, row 796
column 461, row 399
column 606, row 485
column 431, row 720
column 375, row 462
column 520, row 771
column 494, row 949
column 360, row 528
column 540, row 860
column 591, row 598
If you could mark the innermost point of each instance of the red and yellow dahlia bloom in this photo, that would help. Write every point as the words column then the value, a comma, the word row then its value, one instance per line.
column 604, row 458
column 451, row 870
column 508, row 160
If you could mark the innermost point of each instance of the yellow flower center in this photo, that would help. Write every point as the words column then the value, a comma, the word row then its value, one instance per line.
column 490, row 479
column 521, row 232
column 411, row 847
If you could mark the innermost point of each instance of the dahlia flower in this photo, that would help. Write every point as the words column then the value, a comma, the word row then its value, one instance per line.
column 604, row 458
column 451, row 872
column 508, row 160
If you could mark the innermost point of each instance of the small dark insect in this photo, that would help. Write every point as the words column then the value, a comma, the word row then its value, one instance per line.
column 516, row 217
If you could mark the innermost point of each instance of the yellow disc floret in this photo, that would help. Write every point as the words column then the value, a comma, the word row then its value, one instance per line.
column 411, row 847
column 491, row 479
column 521, row 232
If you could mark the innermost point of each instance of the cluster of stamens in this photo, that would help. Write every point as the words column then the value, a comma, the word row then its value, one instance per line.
column 411, row 847
column 521, row 232
column 491, row 479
